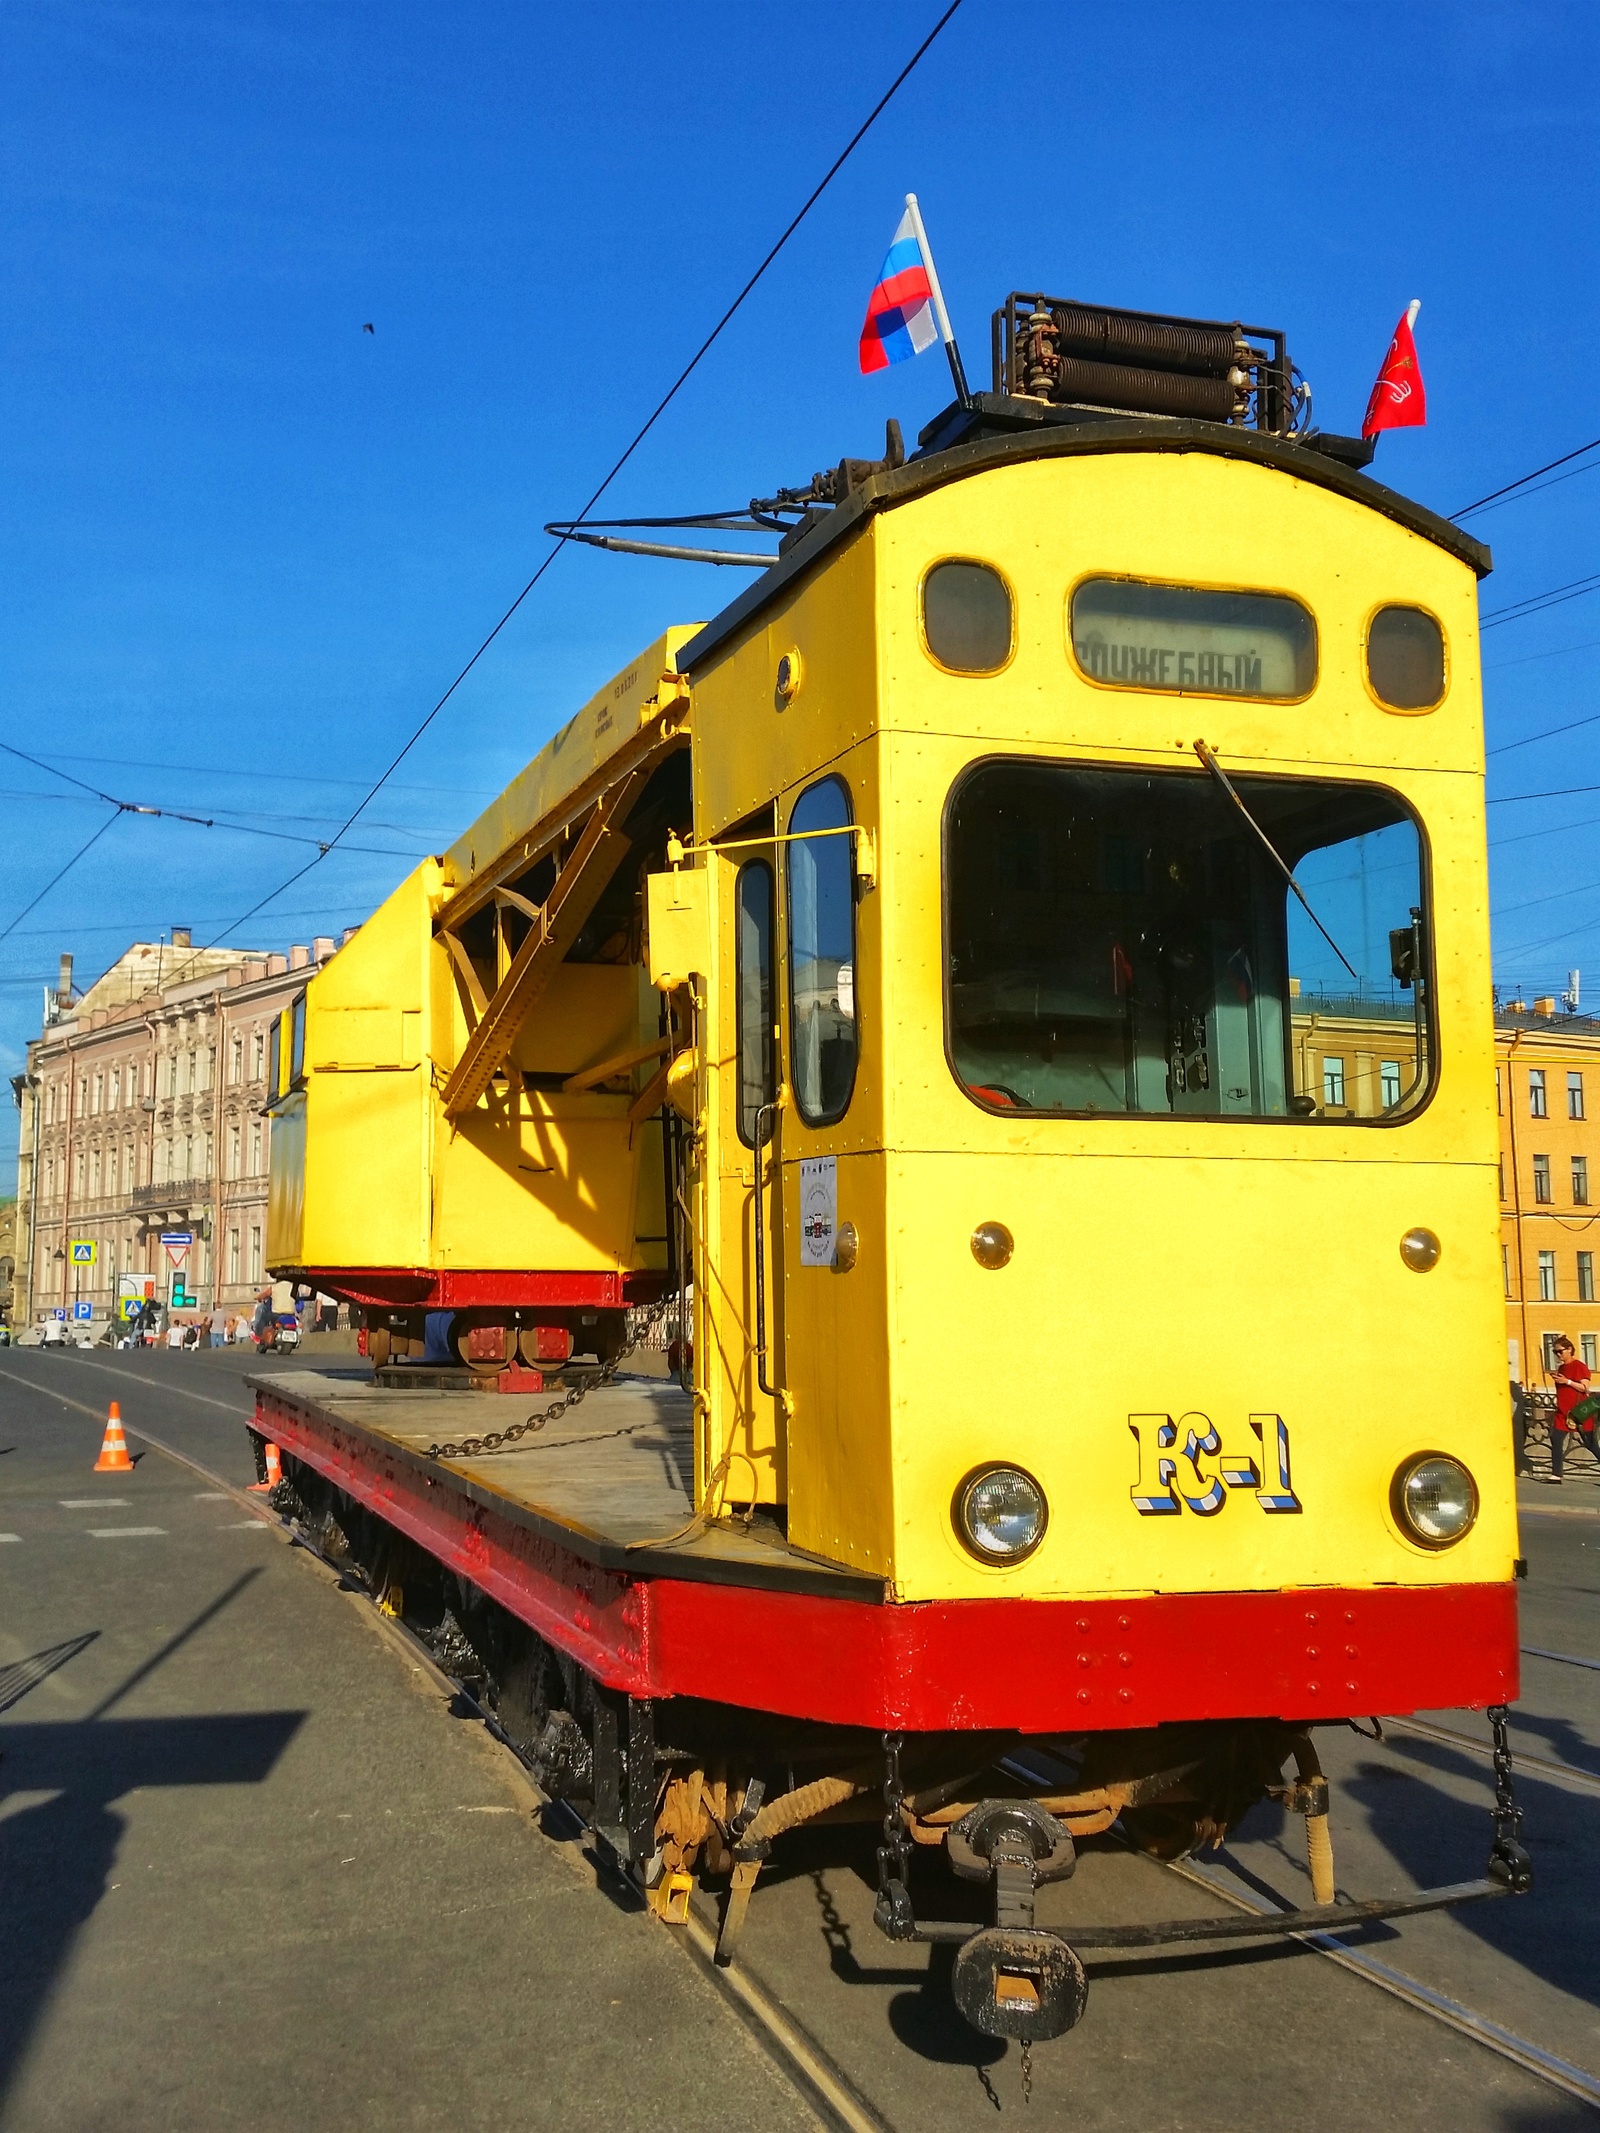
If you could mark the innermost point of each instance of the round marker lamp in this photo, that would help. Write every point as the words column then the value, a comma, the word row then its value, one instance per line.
column 1000, row 1514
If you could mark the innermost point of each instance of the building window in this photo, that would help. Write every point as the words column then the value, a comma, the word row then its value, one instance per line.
column 1333, row 1081
column 1580, row 1181
column 255, row 1150
column 1541, row 1180
column 188, row 1157
column 1586, row 1284
column 1586, row 1345
column 94, row 1171
column 127, row 1168
column 258, row 1056
column 1536, row 1103
column 1505, row 1266
column 1501, row 1167
column 193, row 1062
column 1389, row 1082
column 1548, row 1345
column 1547, row 1277
column 1574, row 1096
column 116, row 1089
column 236, row 1060
column 77, row 1173
column 233, row 1153
column 211, row 1156
column 233, row 1255
column 255, row 1254
column 172, row 1073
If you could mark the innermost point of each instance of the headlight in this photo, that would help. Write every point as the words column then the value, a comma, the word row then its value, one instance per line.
column 1435, row 1499
column 1000, row 1514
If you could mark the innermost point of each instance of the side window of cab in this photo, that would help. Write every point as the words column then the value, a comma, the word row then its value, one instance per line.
column 824, row 1036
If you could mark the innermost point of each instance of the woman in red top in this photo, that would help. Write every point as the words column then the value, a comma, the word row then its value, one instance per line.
column 1572, row 1383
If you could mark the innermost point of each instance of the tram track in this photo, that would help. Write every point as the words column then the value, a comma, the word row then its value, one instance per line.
column 822, row 2081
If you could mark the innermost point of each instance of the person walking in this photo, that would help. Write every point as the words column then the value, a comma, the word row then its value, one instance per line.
column 1572, row 1385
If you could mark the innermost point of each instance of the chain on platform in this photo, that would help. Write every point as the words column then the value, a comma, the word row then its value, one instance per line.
column 641, row 1323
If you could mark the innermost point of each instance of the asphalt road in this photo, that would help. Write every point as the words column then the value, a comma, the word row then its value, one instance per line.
column 253, row 1872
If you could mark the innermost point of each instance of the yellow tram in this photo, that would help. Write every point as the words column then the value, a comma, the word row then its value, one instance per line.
column 907, row 972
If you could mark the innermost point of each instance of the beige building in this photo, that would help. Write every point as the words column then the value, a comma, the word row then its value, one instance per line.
column 8, row 1257
column 143, row 1118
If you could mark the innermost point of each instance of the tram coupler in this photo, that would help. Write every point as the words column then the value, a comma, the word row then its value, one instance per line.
column 1015, row 1979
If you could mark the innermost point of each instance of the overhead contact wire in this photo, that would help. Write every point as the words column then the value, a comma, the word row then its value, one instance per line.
column 638, row 438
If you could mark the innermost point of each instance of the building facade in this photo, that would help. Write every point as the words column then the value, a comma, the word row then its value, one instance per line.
column 1547, row 1087
column 144, row 1118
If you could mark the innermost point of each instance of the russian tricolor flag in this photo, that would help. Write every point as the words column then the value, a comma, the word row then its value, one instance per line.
column 900, row 314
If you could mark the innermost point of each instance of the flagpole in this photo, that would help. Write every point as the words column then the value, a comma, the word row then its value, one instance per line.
column 941, row 315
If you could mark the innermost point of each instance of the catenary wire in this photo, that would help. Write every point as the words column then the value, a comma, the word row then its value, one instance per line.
column 1549, row 734
column 6, row 931
column 1523, row 480
column 617, row 466
column 1536, row 603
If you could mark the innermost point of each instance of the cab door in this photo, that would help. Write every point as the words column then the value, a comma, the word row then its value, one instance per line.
column 738, row 1259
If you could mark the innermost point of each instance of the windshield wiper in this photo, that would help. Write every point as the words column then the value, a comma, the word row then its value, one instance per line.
column 1222, row 778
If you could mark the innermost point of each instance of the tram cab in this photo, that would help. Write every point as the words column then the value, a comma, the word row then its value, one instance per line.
column 1054, row 798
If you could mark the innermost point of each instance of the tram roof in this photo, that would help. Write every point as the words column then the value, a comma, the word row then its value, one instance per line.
column 932, row 470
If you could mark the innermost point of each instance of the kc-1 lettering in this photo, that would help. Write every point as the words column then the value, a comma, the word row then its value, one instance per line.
column 1183, row 1466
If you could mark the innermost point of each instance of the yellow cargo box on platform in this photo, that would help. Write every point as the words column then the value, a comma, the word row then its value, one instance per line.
column 456, row 1123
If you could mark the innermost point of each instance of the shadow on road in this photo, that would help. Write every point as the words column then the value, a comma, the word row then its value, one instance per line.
column 59, row 1842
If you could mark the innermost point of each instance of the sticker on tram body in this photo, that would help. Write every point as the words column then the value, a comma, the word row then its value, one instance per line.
column 1182, row 1466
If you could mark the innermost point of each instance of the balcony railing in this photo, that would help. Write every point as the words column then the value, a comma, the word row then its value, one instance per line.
column 183, row 1192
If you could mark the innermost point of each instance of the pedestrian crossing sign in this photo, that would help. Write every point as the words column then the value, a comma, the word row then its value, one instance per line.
column 84, row 1251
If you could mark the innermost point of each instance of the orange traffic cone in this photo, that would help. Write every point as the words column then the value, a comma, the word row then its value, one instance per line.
column 113, row 1457
column 274, row 1472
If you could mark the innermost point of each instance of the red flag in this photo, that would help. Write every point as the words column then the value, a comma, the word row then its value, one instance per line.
column 1398, row 401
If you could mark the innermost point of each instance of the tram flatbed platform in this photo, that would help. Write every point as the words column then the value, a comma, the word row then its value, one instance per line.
column 606, row 1480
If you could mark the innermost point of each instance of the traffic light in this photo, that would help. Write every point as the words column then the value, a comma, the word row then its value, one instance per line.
column 181, row 1298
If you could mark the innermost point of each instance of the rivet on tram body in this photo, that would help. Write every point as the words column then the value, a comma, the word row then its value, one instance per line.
column 1122, row 1621
column 1082, row 1625
column 1083, row 1695
column 1124, row 1658
column 1420, row 1250
column 1124, row 1695
column 992, row 1245
column 1084, row 1659
column 1313, row 1688
column 1311, row 1618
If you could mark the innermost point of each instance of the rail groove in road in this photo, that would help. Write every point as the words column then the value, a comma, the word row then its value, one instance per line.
column 1560, row 2073
column 1532, row 1651
column 824, row 2083
column 1541, row 1766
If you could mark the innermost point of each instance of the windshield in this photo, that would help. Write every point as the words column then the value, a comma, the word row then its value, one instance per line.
column 1119, row 941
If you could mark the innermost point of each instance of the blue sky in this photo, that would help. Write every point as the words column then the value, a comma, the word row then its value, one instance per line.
column 247, row 543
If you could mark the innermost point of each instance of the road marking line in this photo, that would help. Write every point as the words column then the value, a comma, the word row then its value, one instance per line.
column 210, row 1496
column 248, row 1525
column 113, row 1533
column 94, row 1503
column 10, row 1537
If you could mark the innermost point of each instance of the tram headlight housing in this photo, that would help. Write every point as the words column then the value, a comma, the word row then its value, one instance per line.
column 1000, row 1514
column 1434, row 1500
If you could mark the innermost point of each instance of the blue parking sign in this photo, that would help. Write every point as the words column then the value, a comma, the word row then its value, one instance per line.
column 83, row 1311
